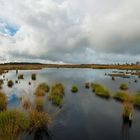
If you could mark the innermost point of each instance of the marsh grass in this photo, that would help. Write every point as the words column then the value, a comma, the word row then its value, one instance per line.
column 136, row 100
column 10, row 83
column 3, row 101
column 12, row 124
column 123, row 86
column 100, row 90
column 121, row 96
column 33, row 76
column 42, row 89
column 87, row 85
column 38, row 120
column 20, row 76
column 74, row 89
column 56, row 94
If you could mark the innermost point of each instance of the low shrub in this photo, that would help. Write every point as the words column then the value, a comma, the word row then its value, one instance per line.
column 39, row 103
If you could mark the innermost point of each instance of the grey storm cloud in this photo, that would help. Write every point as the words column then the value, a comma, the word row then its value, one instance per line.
column 71, row 31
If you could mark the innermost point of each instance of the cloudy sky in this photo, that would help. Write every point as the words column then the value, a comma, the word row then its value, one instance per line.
column 70, row 31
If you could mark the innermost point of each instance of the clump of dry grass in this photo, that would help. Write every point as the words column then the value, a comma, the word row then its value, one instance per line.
column 12, row 124
column 42, row 89
column 38, row 119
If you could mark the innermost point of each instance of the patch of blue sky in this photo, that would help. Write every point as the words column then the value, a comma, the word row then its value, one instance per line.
column 8, row 28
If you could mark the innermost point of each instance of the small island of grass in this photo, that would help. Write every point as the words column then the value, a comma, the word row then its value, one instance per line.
column 42, row 89
column 136, row 100
column 20, row 76
column 121, row 96
column 10, row 83
column 123, row 86
column 74, row 89
column 56, row 94
column 33, row 76
column 100, row 90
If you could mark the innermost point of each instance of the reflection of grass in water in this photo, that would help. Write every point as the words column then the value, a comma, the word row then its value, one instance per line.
column 39, row 103
column 100, row 90
column 25, row 103
column 12, row 124
column 3, row 101
column 1, row 83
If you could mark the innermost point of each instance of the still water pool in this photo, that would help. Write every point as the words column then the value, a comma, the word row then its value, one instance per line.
column 83, row 116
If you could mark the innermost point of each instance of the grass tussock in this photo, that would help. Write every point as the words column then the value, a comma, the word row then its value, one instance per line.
column 74, row 89
column 121, row 96
column 100, row 90
column 20, row 76
column 123, row 86
column 33, row 76
column 56, row 94
column 3, row 101
column 10, row 83
column 87, row 85
column 12, row 124
column 38, row 119
column 42, row 89
column 136, row 100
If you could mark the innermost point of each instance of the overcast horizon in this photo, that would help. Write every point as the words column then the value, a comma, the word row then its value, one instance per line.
column 70, row 31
